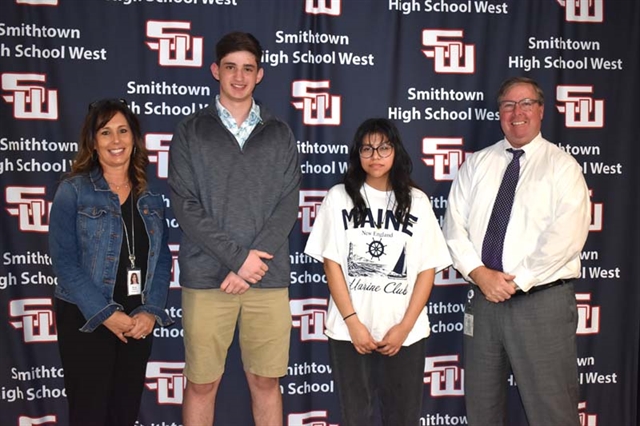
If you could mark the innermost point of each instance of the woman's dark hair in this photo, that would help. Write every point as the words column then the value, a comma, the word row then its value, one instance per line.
column 399, row 175
column 100, row 113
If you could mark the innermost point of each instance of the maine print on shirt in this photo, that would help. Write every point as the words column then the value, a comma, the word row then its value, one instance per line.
column 376, row 258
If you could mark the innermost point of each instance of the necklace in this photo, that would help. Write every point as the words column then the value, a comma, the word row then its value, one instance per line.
column 120, row 185
column 379, row 224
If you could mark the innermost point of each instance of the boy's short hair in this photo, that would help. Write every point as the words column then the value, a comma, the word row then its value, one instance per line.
column 238, row 42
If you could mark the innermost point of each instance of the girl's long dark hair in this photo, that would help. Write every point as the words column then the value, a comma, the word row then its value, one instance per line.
column 99, row 114
column 399, row 176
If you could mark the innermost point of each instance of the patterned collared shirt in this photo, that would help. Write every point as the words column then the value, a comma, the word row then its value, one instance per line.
column 243, row 131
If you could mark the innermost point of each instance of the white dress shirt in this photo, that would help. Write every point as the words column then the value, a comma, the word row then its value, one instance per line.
column 549, row 221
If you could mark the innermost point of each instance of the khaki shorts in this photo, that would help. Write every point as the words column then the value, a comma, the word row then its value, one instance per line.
column 209, row 320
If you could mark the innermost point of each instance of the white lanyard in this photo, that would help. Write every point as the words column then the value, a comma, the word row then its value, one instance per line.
column 130, row 247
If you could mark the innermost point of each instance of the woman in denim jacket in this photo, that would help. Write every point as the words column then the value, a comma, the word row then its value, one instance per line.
column 105, row 227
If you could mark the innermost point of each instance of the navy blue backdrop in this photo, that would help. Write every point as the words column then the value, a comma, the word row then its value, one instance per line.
column 433, row 66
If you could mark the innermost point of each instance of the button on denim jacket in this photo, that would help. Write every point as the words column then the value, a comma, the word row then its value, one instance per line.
column 85, row 238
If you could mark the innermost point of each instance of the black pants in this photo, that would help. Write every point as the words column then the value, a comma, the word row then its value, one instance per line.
column 397, row 382
column 103, row 376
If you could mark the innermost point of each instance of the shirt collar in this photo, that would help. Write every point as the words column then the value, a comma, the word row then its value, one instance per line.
column 528, row 149
column 252, row 119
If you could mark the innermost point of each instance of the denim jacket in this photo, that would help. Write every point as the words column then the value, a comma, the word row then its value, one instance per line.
column 85, row 238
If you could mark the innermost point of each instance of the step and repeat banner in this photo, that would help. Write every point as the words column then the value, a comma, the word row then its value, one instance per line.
column 432, row 66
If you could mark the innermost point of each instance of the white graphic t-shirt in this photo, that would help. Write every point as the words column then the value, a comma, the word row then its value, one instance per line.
column 380, row 257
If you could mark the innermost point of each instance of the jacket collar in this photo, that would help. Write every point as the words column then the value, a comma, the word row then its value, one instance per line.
column 98, row 180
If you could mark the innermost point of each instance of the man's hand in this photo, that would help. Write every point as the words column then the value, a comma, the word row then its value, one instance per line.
column 233, row 284
column 253, row 268
column 495, row 285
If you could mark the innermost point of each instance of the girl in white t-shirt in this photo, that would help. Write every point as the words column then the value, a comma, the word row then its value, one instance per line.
column 381, row 246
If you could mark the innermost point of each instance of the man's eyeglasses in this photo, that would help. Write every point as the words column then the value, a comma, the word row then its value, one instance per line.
column 526, row 105
column 384, row 150
column 103, row 102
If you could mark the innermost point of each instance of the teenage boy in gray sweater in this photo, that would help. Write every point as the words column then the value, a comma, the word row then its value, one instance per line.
column 234, row 176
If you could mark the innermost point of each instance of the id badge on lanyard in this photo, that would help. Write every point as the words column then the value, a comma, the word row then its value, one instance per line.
column 134, row 274
column 134, row 281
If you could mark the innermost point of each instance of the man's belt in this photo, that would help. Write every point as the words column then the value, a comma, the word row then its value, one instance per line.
column 542, row 287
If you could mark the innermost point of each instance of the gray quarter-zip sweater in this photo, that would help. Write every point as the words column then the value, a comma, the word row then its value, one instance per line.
column 229, row 200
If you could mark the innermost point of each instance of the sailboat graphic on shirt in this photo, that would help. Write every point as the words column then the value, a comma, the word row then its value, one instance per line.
column 400, row 270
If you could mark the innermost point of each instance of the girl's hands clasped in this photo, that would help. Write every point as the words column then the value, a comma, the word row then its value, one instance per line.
column 360, row 336
column 392, row 342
